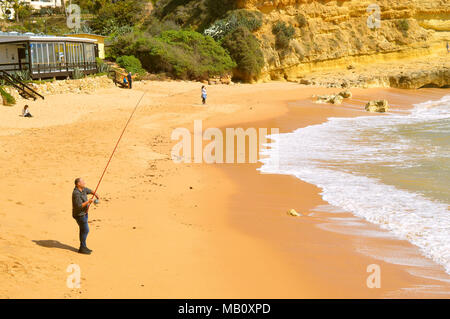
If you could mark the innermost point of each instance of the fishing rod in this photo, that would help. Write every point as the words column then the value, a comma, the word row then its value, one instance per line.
column 115, row 148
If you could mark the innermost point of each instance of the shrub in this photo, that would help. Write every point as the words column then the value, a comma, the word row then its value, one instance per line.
column 48, row 11
column 131, row 64
column 252, row 20
column 219, row 29
column 121, row 45
column 183, row 54
column 283, row 34
column 155, row 27
column 170, row 6
column 7, row 98
column 77, row 74
column 403, row 26
column 23, row 75
column 91, row 6
column 118, row 16
column 102, row 67
column 218, row 8
column 359, row 44
column 23, row 12
column 301, row 20
column 245, row 50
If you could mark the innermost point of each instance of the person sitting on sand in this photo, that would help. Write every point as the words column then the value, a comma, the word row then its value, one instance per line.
column 125, row 81
column 26, row 112
column 80, row 207
column 204, row 94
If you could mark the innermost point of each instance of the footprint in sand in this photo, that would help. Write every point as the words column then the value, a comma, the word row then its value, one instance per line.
column 12, row 267
column 94, row 222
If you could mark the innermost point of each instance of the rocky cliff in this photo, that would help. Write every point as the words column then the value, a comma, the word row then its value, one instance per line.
column 333, row 34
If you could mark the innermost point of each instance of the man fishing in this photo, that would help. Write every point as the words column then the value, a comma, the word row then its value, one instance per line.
column 80, row 202
column 80, row 208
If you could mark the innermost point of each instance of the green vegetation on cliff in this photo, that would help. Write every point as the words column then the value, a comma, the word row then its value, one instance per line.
column 118, row 17
column 169, row 42
column 252, row 20
column 283, row 34
column 245, row 49
column 198, row 14
column 130, row 63
column 180, row 53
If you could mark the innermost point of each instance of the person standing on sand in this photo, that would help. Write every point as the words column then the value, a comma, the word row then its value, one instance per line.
column 130, row 80
column 448, row 48
column 80, row 206
column 204, row 94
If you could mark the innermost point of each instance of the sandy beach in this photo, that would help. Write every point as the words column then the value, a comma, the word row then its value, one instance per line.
column 167, row 230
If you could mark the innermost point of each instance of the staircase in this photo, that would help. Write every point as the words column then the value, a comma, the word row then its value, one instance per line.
column 23, row 89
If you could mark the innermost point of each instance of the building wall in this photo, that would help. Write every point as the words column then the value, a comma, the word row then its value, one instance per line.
column 101, row 50
column 35, row 4
column 8, row 54
column 43, row 3
column 100, row 42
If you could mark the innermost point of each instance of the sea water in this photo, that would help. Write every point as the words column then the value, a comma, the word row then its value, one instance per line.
column 392, row 170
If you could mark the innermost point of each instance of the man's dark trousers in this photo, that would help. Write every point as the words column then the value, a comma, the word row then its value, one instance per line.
column 82, row 222
column 130, row 81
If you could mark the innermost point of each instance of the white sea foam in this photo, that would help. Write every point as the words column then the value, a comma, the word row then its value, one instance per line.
column 319, row 155
column 418, row 289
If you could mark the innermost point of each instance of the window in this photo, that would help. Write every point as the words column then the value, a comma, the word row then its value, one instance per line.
column 59, row 55
column 49, row 57
column 90, row 52
column 45, row 53
column 69, row 53
column 33, row 54
column 40, row 57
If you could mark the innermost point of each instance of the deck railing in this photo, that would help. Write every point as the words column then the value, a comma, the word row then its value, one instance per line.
column 14, row 66
column 62, row 67
column 47, row 68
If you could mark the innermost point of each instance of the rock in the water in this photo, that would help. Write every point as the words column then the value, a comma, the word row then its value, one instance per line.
column 305, row 82
column 321, row 98
column 379, row 106
column 333, row 98
column 293, row 212
column 336, row 99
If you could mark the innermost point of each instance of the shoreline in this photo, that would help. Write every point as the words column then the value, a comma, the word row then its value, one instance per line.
column 168, row 231
column 291, row 230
